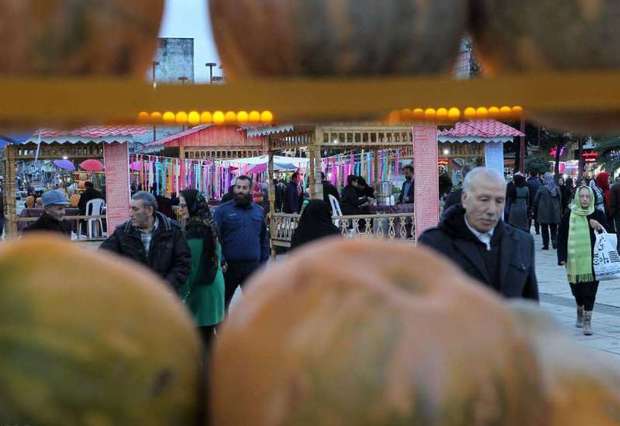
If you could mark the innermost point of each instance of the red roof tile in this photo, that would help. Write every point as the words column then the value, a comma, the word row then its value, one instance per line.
column 482, row 129
column 93, row 132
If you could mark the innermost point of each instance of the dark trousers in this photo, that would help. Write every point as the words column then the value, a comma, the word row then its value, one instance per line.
column 536, row 226
column 585, row 294
column 544, row 229
column 235, row 276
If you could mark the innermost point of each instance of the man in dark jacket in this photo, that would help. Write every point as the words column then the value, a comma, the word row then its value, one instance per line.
column 352, row 201
column 474, row 237
column 153, row 240
column 534, row 183
column 407, row 191
column 89, row 194
column 293, row 197
column 53, row 218
column 243, row 232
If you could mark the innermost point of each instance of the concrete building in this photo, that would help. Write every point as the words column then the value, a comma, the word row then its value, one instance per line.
column 173, row 61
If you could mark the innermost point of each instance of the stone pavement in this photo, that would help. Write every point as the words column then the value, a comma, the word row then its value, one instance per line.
column 556, row 297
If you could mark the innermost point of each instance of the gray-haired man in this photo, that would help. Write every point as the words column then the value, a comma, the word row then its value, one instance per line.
column 475, row 238
column 152, row 239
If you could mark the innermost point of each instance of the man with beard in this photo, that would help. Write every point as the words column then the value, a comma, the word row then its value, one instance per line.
column 406, row 192
column 53, row 218
column 244, row 237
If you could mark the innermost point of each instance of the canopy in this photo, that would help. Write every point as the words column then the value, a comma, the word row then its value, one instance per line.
column 280, row 167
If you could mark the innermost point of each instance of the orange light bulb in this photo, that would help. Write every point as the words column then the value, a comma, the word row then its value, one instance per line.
column 193, row 118
column 219, row 118
column 169, row 117
column 442, row 114
column 243, row 117
column 454, row 114
column 230, row 117
column 206, row 117
column 254, row 116
column 430, row 113
column 181, row 117
column 418, row 114
column 266, row 117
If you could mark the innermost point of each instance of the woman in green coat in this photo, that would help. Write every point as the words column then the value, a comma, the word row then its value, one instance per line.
column 203, row 292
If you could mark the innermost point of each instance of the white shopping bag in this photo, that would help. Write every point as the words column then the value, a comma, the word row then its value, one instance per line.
column 605, row 258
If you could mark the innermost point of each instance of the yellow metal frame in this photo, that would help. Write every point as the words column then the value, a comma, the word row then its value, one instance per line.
column 35, row 102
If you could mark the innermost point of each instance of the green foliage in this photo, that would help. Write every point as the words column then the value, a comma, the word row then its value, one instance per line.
column 538, row 164
column 608, row 149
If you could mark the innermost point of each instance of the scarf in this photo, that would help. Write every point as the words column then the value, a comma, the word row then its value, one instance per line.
column 550, row 184
column 579, row 259
column 315, row 222
column 200, row 225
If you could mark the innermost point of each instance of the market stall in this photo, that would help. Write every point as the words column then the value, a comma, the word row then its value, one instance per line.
column 89, row 147
column 477, row 142
column 355, row 142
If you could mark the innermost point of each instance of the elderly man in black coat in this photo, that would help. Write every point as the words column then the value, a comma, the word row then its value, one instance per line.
column 153, row 240
column 474, row 236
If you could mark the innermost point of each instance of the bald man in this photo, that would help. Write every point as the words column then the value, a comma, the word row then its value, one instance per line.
column 474, row 237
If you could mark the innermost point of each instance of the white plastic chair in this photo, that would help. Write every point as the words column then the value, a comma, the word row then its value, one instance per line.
column 336, row 212
column 94, row 208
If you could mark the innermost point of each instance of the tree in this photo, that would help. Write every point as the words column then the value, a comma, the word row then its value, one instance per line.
column 608, row 149
column 537, row 164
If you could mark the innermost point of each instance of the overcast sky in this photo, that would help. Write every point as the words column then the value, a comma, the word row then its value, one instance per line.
column 190, row 18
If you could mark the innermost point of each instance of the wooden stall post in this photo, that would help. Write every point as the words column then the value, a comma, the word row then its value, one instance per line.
column 10, row 191
column 314, row 154
column 375, row 158
column 182, row 170
column 426, row 175
column 272, row 197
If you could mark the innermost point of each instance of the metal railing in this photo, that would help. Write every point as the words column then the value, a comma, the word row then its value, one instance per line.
column 393, row 226
column 75, row 226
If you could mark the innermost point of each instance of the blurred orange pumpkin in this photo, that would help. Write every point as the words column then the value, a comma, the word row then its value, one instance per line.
column 78, row 37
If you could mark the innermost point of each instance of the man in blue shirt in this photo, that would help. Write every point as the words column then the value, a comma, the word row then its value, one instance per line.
column 243, row 232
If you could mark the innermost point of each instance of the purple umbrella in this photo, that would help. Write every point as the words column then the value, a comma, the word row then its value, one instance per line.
column 65, row 165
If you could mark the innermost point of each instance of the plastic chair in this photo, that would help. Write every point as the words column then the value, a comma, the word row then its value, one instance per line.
column 336, row 212
column 94, row 208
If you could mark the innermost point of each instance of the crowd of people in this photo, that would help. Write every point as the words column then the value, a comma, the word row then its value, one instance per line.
column 485, row 230
column 479, row 217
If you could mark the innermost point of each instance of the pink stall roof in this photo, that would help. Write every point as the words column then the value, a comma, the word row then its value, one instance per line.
column 480, row 131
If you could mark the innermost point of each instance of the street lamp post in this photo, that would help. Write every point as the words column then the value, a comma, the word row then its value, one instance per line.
column 183, row 79
column 211, row 65
column 155, row 65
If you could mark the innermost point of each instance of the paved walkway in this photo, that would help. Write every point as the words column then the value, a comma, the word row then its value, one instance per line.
column 557, row 298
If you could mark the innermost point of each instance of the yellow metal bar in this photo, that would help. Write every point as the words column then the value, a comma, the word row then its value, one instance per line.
column 48, row 101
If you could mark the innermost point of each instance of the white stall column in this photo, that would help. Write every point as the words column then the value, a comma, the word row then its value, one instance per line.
column 494, row 156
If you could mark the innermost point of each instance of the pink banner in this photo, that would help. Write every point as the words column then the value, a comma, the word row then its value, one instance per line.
column 116, row 160
column 426, row 175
